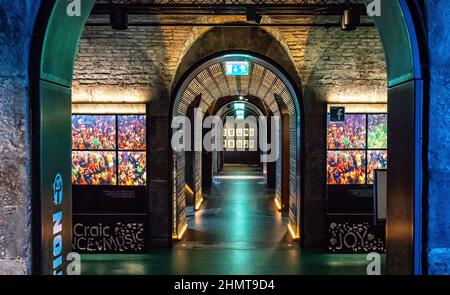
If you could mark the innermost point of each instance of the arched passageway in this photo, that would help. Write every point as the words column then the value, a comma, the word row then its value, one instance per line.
column 211, row 81
column 51, row 89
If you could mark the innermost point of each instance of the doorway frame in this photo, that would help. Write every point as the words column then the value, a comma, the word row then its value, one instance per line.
column 414, row 23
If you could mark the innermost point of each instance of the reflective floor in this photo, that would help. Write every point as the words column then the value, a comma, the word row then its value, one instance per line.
column 239, row 213
column 238, row 230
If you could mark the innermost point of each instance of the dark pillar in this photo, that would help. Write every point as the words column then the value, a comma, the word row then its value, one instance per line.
column 313, row 231
column 400, row 193
column 159, row 197
column 206, row 170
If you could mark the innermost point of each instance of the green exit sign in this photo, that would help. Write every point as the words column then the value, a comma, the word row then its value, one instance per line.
column 236, row 68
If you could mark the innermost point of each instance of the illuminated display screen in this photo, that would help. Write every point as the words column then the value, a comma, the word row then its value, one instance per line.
column 109, row 150
column 94, row 168
column 350, row 143
column 375, row 160
column 93, row 132
column 132, row 168
column 346, row 167
column 350, row 134
column 131, row 132
column 377, row 131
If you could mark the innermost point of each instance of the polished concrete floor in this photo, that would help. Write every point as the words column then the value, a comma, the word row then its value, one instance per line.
column 238, row 230
column 239, row 213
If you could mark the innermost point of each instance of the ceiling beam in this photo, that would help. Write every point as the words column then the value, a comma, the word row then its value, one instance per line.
column 229, row 9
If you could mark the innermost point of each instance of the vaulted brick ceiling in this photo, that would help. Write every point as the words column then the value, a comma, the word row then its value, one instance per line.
column 212, row 83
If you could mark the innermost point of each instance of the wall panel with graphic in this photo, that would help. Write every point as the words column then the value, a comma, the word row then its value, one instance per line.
column 109, row 177
column 355, row 148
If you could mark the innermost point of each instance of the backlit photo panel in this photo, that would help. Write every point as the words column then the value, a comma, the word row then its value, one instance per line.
column 377, row 131
column 375, row 160
column 346, row 167
column 132, row 168
column 132, row 131
column 94, row 168
column 109, row 150
column 350, row 134
column 251, row 144
column 246, row 132
column 93, row 132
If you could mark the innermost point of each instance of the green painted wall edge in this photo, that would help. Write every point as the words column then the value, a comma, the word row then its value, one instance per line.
column 61, row 42
column 399, row 62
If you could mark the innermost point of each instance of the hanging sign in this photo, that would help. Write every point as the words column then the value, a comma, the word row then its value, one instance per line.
column 237, row 68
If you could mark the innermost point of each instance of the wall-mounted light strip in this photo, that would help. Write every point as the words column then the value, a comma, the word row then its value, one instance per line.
column 198, row 203
column 180, row 236
column 293, row 233
column 186, row 187
column 277, row 203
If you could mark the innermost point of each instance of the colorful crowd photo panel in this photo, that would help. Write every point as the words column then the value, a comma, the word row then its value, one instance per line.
column 377, row 131
column 109, row 150
column 376, row 159
column 131, row 132
column 94, row 168
column 93, row 132
column 350, row 134
column 132, row 168
column 346, row 167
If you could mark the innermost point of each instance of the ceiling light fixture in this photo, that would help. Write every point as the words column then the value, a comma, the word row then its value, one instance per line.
column 350, row 19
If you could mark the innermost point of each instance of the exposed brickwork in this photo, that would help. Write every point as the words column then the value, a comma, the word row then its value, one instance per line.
column 333, row 62
column 336, row 62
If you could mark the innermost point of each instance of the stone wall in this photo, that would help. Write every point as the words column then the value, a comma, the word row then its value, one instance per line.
column 439, row 139
column 141, row 61
column 16, row 19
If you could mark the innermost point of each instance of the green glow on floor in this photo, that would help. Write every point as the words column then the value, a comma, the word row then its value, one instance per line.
column 222, row 262
column 237, row 231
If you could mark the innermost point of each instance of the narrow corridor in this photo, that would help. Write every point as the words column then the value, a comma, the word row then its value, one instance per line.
column 239, row 213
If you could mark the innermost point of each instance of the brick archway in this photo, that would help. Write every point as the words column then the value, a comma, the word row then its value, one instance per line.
column 274, row 87
column 406, row 87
